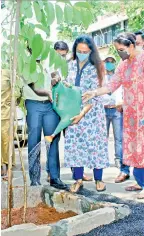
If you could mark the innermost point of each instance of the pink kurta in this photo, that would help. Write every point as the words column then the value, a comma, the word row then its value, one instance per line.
column 131, row 76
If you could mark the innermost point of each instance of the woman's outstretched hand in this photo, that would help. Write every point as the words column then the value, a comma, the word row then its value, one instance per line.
column 76, row 119
column 88, row 95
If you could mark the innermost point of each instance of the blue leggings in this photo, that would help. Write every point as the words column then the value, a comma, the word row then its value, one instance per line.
column 78, row 173
column 139, row 176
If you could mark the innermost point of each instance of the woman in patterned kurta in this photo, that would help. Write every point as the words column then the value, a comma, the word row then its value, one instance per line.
column 86, row 142
column 130, row 74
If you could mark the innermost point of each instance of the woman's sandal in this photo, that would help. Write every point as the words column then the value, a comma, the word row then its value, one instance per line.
column 140, row 195
column 48, row 178
column 100, row 186
column 75, row 188
column 86, row 178
column 135, row 187
column 3, row 172
column 5, row 178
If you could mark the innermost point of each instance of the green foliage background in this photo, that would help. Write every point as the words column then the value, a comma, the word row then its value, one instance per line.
column 45, row 12
column 72, row 20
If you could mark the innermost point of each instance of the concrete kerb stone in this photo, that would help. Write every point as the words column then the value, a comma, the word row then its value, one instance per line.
column 83, row 223
column 47, row 193
column 27, row 230
column 121, row 210
column 79, row 224
column 64, row 201
column 3, row 195
column 33, row 196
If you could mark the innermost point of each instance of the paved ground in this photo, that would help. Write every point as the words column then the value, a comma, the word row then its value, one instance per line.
column 117, row 190
column 132, row 226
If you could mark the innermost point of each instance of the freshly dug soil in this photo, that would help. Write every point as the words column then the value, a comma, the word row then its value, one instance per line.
column 41, row 214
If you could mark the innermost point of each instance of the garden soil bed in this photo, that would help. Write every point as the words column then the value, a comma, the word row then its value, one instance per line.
column 41, row 214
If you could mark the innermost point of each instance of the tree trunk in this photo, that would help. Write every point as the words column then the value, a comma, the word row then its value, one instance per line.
column 23, row 169
column 12, row 111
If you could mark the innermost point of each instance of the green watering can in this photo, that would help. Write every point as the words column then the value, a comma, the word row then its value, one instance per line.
column 67, row 103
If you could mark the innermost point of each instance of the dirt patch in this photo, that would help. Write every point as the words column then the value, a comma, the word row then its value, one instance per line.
column 41, row 214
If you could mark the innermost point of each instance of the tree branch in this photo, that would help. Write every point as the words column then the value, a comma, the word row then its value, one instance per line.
column 7, row 16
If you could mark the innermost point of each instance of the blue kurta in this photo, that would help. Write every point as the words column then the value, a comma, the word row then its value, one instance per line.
column 86, row 143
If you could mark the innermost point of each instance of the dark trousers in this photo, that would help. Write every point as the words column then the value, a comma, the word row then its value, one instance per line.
column 41, row 116
column 78, row 173
column 139, row 176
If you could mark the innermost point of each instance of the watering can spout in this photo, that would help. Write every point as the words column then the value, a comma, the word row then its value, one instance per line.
column 61, row 126
column 49, row 139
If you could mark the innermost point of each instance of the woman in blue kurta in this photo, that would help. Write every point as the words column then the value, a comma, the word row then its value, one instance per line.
column 86, row 140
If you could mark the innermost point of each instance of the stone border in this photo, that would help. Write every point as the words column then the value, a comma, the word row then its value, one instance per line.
column 33, row 196
column 27, row 230
column 83, row 223
column 64, row 201
column 91, row 214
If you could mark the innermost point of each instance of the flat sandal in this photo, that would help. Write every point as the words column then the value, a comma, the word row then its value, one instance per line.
column 100, row 189
column 75, row 188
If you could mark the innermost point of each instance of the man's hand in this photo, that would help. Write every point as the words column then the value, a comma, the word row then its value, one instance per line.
column 55, row 78
column 50, row 96
column 54, row 81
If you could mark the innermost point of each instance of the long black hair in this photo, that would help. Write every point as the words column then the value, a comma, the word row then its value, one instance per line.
column 94, row 57
column 126, row 39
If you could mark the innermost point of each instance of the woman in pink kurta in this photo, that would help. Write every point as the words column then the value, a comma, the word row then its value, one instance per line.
column 130, row 74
